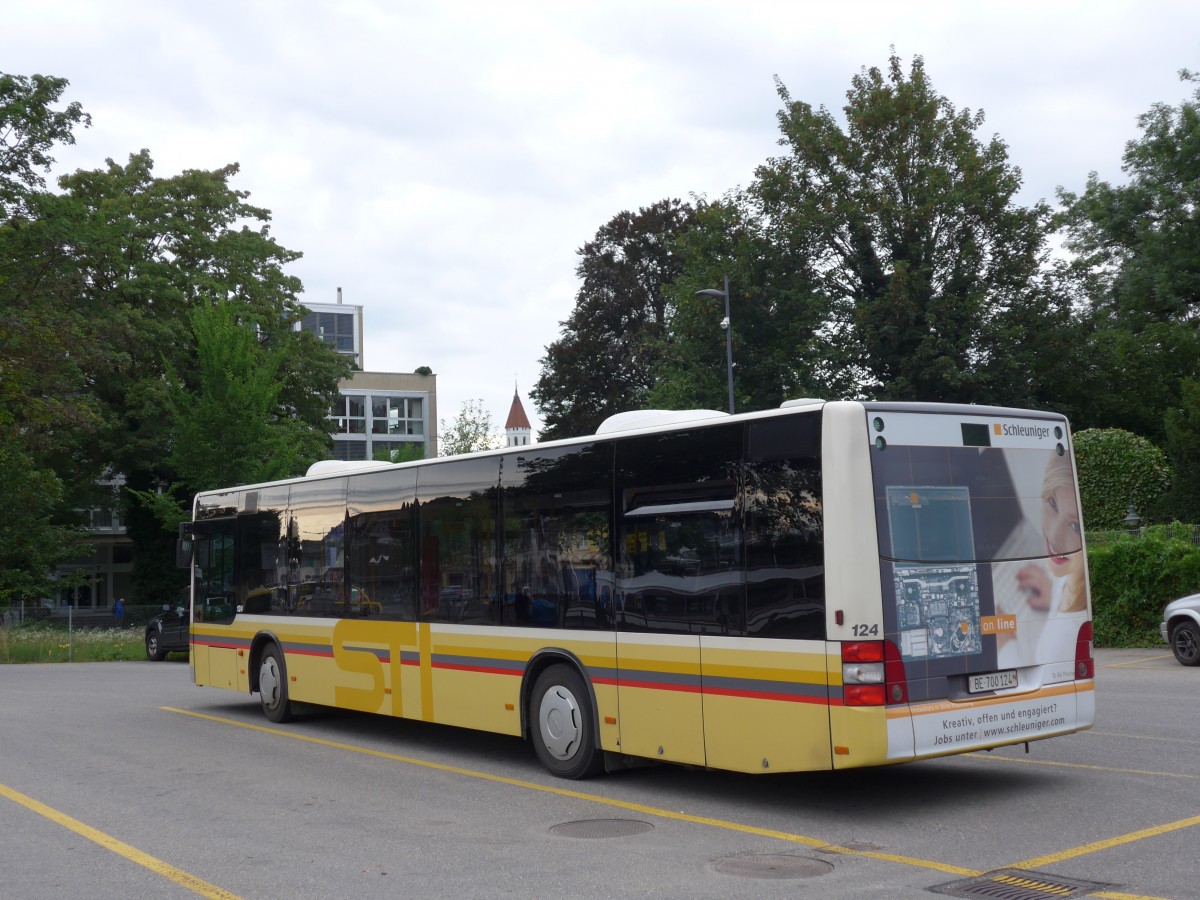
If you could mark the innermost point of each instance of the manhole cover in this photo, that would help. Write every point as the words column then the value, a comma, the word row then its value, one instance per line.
column 1020, row 884
column 601, row 828
column 772, row 865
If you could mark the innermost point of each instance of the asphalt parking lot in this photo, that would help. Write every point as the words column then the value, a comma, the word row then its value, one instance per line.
column 123, row 780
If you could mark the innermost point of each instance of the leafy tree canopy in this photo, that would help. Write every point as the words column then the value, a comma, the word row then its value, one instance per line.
column 470, row 430
column 1139, row 247
column 604, row 362
column 879, row 255
column 101, row 282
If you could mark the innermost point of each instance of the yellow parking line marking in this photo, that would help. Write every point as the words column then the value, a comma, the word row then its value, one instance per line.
column 749, row 829
column 1065, row 765
column 1141, row 737
column 1051, row 858
column 157, row 866
column 596, row 798
column 1134, row 662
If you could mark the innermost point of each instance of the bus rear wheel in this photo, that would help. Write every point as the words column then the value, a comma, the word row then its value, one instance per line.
column 272, row 686
column 561, row 724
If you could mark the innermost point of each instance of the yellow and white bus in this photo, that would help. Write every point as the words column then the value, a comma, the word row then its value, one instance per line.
column 826, row 585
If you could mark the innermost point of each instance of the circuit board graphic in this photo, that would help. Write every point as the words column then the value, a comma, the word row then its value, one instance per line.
column 937, row 610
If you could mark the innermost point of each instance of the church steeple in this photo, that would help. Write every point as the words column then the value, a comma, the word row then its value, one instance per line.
column 517, row 430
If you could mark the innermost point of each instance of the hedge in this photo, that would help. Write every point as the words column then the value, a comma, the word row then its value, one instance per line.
column 1133, row 578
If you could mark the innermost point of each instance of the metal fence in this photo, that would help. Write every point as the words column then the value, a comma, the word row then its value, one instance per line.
column 1173, row 531
column 133, row 617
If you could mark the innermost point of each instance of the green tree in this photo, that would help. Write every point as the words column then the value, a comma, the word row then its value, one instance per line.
column 98, row 281
column 778, row 316
column 30, row 127
column 1182, row 425
column 470, row 430
column 907, row 223
column 32, row 542
column 233, row 427
column 1139, row 245
column 405, row 453
column 604, row 363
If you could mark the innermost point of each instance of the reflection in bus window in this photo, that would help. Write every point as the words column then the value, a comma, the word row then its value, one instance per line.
column 556, row 511
column 785, row 552
column 458, row 540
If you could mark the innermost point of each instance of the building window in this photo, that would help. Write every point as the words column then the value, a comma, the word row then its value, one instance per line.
column 397, row 415
column 349, row 450
column 349, row 415
column 335, row 329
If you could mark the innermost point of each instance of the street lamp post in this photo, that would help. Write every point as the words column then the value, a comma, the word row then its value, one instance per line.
column 727, row 325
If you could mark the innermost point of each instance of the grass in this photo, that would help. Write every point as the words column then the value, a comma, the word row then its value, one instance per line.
column 43, row 643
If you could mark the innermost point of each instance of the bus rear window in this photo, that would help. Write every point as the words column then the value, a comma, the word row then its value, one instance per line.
column 930, row 523
column 973, row 504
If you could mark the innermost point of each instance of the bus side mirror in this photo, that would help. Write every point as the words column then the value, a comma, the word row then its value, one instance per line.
column 183, row 547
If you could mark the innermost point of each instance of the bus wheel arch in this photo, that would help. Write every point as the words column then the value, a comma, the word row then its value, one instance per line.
column 559, row 707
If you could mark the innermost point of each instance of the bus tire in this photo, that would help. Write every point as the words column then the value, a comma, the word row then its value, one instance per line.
column 272, row 685
column 1185, row 643
column 561, row 724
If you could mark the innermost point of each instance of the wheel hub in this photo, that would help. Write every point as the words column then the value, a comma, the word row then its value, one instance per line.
column 268, row 681
column 559, row 722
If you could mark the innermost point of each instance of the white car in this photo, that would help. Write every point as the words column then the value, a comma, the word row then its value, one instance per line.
column 1180, row 628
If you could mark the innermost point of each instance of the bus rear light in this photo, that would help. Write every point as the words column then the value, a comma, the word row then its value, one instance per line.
column 872, row 674
column 862, row 673
column 1085, row 666
column 863, row 695
column 862, row 651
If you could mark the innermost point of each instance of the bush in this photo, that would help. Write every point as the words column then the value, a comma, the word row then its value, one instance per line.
column 1117, row 468
column 1133, row 578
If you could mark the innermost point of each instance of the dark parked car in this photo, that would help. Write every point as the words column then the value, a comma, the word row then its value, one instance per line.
column 1180, row 628
column 169, row 630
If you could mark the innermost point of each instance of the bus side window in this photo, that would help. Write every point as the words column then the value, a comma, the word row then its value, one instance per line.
column 785, row 556
column 555, row 514
column 681, row 567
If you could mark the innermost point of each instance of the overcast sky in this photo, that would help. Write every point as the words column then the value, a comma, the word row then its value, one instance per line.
column 443, row 162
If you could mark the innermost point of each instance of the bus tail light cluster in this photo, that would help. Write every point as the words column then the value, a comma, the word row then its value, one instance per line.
column 872, row 674
column 1085, row 667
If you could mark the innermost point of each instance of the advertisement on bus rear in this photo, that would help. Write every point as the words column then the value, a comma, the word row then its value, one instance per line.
column 983, row 569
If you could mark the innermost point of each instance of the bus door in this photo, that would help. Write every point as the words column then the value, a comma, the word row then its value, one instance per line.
column 675, row 579
column 213, row 601
column 766, row 693
column 663, row 604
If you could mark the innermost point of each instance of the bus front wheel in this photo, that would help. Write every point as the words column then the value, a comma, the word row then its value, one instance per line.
column 561, row 724
column 272, row 686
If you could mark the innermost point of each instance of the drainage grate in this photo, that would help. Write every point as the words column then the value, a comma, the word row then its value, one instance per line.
column 1020, row 884
column 772, row 865
column 601, row 828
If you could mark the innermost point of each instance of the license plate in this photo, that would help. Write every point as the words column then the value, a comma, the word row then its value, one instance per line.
column 992, row 681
